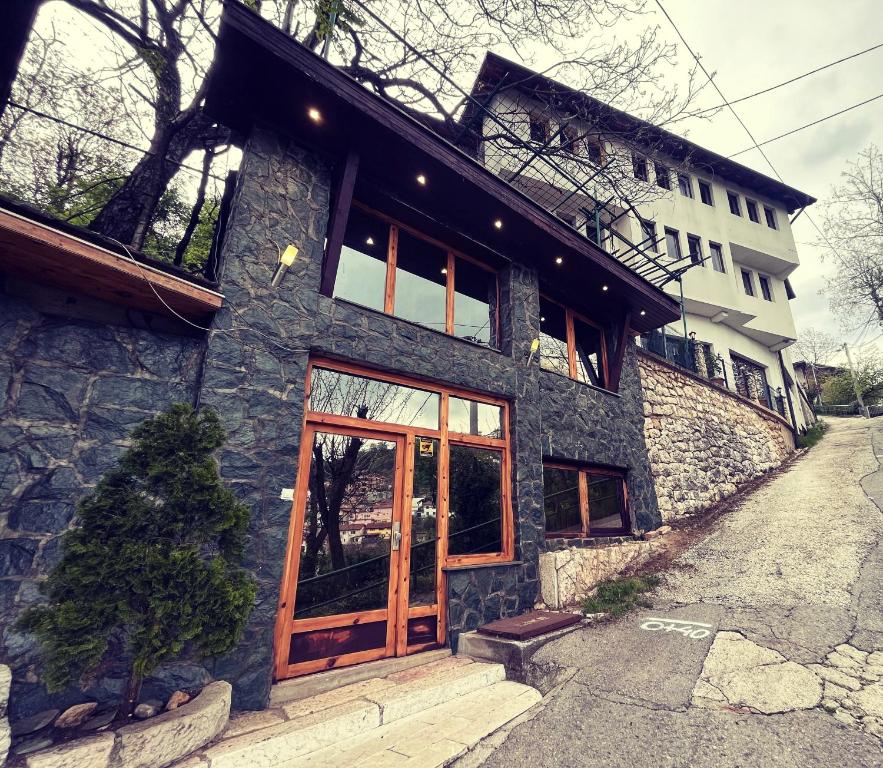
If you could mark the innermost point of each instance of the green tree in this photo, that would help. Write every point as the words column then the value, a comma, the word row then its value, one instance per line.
column 153, row 560
column 839, row 390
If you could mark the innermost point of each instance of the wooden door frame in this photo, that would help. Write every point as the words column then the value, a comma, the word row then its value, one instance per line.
column 285, row 619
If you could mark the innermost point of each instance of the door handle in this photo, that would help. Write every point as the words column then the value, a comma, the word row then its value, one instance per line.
column 396, row 535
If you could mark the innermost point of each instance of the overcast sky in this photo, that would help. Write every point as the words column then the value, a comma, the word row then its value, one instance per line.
column 751, row 45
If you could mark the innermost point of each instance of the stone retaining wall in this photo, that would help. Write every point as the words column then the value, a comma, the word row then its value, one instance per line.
column 704, row 441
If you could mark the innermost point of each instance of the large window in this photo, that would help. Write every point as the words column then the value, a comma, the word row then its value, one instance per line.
column 571, row 345
column 584, row 501
column 465, row 435
column 389, row 268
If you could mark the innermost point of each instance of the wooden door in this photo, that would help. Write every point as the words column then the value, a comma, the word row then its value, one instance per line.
column 346, row 588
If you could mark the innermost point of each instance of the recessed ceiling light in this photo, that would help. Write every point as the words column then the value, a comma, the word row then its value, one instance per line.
column 643, row 313
column 559, row 260
column 498, row 224
column 314, row 114
column 370, row 241
column 603, row 287
column 421, row 179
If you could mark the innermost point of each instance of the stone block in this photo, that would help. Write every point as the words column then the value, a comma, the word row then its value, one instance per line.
column 90, row 752
column 168, row 737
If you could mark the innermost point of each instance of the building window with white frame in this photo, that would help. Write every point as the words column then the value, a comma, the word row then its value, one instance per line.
column 747, row 282
column 705, row 192
column 766, row 288
column 663, row 178
column 648, row 230
column 733, row 200
column 751, row 207
column 685, row 185
column 694, row 248
column 673, row 244
column 717, row 257
column 770, row 217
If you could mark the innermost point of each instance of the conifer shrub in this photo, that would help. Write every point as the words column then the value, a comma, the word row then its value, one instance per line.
column 153, row 561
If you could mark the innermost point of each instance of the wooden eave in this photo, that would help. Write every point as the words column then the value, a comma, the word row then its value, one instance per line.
column 263, row 76
column 37, row 252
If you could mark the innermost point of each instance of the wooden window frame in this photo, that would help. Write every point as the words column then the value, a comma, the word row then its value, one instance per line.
column 445, row 438
column 583, row 471
column 396, row 226
column 594, row 141
column 569, row 330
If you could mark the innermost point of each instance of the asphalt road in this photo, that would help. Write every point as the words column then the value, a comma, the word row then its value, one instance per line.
column 758, row 650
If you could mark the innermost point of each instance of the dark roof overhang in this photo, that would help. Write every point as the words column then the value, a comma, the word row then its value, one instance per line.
column 496, row 70
column 261, row 76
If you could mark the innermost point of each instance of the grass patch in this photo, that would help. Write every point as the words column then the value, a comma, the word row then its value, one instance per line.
column 815, row 433
column 619, row 596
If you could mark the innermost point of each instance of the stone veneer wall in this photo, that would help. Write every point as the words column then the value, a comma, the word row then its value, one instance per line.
column 71, row 391
column 704, row 441
column 74, row 389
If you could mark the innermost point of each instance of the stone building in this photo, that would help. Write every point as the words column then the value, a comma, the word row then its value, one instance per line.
column 372, row 343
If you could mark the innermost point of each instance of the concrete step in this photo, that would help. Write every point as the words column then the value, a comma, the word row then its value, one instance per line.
column 303, row 726
column 311, row 685
column 431, row 738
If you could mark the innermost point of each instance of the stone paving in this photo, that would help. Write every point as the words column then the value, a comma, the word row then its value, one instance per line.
column 785, row 666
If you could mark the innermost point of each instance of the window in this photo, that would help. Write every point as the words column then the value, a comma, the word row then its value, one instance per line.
column 391, row 269
column 465, row 432
column 639, row 167
column 568, row 140
column 733, row 200
column 593, row 150
column 705, row 193
column 571, row 345
column 662, row 176
column 750, row 379
column 585, row 501
column 539, row 129
column 694, row 247
column 789, row 291
column 751, row 207
column 685, row 185
column 648, row 230
column 766, row 289
column 770, row 215
column 673, row 244
column 475, row 525
column 747, row 283
column 717, row 257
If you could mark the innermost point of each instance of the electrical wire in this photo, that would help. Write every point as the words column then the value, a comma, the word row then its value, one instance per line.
column 739, row 119
column 777, row 86
column 807, row 125
column 98, row 134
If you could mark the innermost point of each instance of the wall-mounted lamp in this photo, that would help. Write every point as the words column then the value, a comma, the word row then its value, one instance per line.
column 286, row 259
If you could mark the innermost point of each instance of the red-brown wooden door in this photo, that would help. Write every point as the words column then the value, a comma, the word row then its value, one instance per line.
column 346, row 592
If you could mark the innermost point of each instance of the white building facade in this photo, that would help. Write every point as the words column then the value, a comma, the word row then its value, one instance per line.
column 722, row 228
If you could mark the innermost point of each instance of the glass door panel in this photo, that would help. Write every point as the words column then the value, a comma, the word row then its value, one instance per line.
column 345, row 567
column 424, row 532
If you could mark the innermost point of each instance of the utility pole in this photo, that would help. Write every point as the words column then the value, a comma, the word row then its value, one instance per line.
column 855, row 387
column 816, row 379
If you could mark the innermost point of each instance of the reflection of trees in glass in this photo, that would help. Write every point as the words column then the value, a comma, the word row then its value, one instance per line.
column 342, row 393
column 340, row 465
column 475, row 519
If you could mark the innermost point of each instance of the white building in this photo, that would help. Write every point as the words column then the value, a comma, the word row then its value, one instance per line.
column 723, row 227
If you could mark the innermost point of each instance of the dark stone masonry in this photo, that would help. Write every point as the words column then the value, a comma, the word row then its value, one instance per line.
column 75, row 388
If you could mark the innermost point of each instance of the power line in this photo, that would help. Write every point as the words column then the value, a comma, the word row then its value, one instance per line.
column 807, row 125
column 104, row 136
column 777, row 86
column 739, row 119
